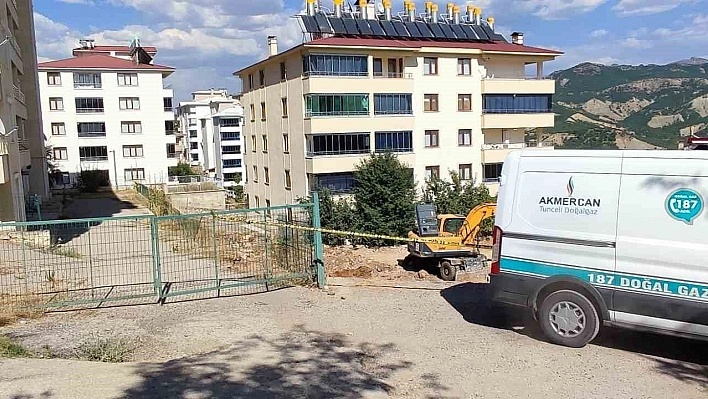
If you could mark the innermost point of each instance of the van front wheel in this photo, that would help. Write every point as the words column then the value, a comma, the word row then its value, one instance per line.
column 568, row 318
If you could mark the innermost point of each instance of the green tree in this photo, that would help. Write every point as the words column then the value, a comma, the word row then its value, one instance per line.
column 182, row 169
column 384, row 196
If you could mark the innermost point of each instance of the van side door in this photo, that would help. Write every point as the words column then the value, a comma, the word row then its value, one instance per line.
column 662, row 244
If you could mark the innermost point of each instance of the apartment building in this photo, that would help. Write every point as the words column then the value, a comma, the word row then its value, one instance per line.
column 107, row 108
column 23, row 167
column 211, row 129
column 444, row 93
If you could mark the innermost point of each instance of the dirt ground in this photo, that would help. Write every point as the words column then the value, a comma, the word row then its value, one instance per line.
column 344, row 343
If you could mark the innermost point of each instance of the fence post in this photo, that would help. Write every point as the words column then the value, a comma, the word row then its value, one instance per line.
column 156, row 272
column 266, row 236
column 216, row 254
column 319, row 250
column 90, row 262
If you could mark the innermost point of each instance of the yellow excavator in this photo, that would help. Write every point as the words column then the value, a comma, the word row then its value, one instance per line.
column 449, row 242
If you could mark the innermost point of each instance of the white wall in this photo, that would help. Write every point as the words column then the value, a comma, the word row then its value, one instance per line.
column 151, row 114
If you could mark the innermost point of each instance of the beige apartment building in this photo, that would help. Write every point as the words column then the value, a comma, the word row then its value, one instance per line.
column 313, row 112
column 23, row 165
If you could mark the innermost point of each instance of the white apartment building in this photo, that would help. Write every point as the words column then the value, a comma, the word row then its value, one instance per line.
column 445, row 94
column 23, row 166
column 211, row 129
column 107, row 109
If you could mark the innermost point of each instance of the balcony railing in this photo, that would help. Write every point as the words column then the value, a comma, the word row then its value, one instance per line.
column 517, row 111
column 336, row 73
column 11, row 39
column 89, row 110
column 527, row 77
column 23, row 144
column 310, row 114
column 86, row 85
column 101, row 158
column 92, row 134
column 167, row 109
column 169, row 132
column 320, row 153
column 19, row 95
column 226, row 136
column 172, row 154
column 515, row 146
column 393, row 75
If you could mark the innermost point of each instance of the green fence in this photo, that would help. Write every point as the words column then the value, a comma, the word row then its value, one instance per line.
column 134, row 259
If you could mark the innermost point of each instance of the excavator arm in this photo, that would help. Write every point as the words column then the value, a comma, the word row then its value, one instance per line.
column 473, row 222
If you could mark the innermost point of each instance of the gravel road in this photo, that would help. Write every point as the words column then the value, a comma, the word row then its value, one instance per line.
column 348, row 342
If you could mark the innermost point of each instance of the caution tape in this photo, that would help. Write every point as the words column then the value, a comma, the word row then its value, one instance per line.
column 345, row 233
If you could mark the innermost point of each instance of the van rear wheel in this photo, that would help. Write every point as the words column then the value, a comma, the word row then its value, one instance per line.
column 568, row 318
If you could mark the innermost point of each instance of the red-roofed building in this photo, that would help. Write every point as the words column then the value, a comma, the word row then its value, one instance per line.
column 107, row 108
column 442, row 105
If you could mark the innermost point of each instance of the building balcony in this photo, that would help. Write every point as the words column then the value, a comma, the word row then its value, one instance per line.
column 94, row 159
column 344, row 162
column 518, row 86
column 513, row 119
column 18, row 94
column 497, row 152
column 397, row 83
column 89, row 110
column 91, row 135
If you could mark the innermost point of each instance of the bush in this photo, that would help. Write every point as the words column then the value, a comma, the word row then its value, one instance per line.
column 91, row 180
column 11, row 349
column 182, row 169
column 108, row 350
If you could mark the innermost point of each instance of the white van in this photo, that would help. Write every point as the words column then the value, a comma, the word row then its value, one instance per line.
column 591, row 238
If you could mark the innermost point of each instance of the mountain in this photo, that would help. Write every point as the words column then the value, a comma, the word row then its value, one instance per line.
column 657, row 104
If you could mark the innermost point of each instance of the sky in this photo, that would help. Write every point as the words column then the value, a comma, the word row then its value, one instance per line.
column 207, row 40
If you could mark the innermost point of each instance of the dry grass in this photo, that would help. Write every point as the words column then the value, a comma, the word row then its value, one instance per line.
column 107, row 350
column 11, row 349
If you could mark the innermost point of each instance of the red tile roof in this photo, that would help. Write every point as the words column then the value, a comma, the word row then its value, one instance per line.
column 149, row 49
column 100, row 61
column 484, row 46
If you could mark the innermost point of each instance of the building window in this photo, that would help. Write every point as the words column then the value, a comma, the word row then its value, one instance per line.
column 335, row 182
column 89, row 154
column 171, row 152
column 283, row 72
column 91, row 129
column 266, row 175
column 230, row 122
column 89, row 105
column 258, row 201
column 430, row 102
column 464, row 102
column 56, row 104
column 261, row 77
column 167, row 104
column 288, row 181
column 231, row 149
column 338, row 144
column 231, row 163
column 465, row 171
column 336, row 104
column 230, row 136
column 235, row 177
column 284, row 103
column 393, row 104
column 194, row 145
column 394, row 141
column 265, row 142
column 253, row 113
column 129, row 103
column 267, row 204
column 132, row 151
column 263, row 111
column 492, row 172
column 203, row 123
column 127, row 79
column 131, row 127
column 195, row 157
column 54, row 78
column 254, row 143
column 255, row 174
column 432, row 172
column 169, row 127
column 286, row 144
column 83, row 80
column 517, row 103
column 432, row 138
column 430, row 66
column 250, row 81
column 335, row 65
column 464, row 66
column 378, row 67
column 58, row 129
column 60, row 153
column 192, row 134
column 464, row 137
column 134, row 174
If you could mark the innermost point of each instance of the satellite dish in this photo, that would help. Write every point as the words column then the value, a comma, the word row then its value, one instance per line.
column 3, row 130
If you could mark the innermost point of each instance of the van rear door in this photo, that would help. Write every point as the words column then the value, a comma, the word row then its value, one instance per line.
column 662, row 242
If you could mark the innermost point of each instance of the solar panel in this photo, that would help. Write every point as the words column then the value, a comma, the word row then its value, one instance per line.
column 350, row 26
column 310, row 24
column 487, row 30
column 337, row 25
column 497, row 38
column 459, row 32
column 469, row 32
column 437, row 32
column 413, row 30
column 323, row 24
column 400, row 29
column 480, row 32
column 376, row 28
column 449, row 34
column 423, row 28
column 388, row 28
column 364, row 27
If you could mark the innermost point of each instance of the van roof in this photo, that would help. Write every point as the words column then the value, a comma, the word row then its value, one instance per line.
column 670, row 154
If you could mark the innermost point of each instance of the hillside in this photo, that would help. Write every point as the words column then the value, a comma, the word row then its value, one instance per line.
column 654, row 103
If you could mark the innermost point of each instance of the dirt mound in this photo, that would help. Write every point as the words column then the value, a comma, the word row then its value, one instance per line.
column 381, row 263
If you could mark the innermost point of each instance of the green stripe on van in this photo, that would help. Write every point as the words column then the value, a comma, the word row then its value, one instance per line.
column 619, row 281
